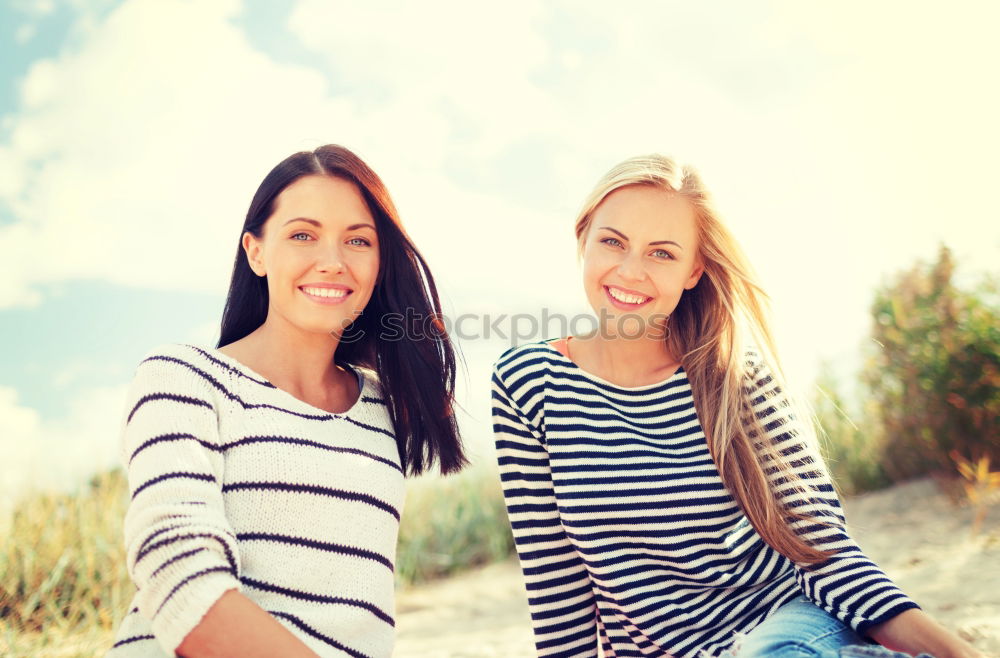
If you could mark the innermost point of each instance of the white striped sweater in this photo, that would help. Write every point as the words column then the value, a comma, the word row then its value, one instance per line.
column 627, row 536
column 237, row 484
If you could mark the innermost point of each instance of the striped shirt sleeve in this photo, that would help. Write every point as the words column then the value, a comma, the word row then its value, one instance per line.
column 848, row 585
column 560, row 594
column 181, row 551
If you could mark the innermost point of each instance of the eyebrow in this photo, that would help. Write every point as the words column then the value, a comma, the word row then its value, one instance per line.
column 625, row 237
column 352, row 227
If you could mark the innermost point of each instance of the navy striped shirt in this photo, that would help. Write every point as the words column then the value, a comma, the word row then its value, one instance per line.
column 236, row 484
column 627, row 536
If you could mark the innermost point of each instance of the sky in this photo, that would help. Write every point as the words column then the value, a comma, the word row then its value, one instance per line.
column 843, row 142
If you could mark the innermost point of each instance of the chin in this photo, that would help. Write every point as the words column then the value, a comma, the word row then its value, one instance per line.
column 327, row 326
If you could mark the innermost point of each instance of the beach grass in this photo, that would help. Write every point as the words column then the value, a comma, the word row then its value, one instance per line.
column 451, row 524
column 63, row 582
column 64, row 587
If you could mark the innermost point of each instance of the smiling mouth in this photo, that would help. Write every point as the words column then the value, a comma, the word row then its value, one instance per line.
column 326, row 295
column 626, row 299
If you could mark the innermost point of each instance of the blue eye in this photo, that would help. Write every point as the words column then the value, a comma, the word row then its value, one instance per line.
column 295, row 236
column 359, row 242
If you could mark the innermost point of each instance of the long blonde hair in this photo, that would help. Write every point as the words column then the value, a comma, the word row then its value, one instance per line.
column 710, row 331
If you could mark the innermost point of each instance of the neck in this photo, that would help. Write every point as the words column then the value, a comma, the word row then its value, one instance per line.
column 296, row 359
column 626, row 359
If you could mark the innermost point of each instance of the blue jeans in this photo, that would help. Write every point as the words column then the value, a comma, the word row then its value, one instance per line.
column 801, row 629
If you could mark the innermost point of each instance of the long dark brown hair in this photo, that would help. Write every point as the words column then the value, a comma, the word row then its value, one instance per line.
column 415, row 366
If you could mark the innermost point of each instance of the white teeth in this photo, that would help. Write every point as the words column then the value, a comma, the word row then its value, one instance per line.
column 326, row 292
column 625, row 297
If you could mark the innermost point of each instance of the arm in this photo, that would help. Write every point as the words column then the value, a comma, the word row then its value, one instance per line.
column 182, row 553
column 560, row 594
column 913, row 631
column 236, row 626
column 848, row 584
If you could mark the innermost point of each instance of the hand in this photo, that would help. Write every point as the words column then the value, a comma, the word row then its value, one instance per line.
column 913, row 631
column 236, row 626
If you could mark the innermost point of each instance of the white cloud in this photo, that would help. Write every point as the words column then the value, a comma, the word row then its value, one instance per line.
column 25, row 33
column 57, row 454
column 16, row 421
column 472, row 60
column 34, row 7
column 132, row 159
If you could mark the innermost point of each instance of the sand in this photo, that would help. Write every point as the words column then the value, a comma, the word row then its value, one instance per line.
column 914, row 531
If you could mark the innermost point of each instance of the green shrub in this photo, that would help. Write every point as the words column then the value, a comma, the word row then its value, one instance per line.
column 933, row 382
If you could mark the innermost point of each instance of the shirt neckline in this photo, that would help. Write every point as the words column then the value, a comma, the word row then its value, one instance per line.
column 600, row 380
column 253, row 374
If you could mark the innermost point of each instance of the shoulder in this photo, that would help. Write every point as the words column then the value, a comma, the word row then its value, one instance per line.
column 758, row 375
column 172, row 359
column 175, row 378
column 768, row 398
column 181, row 367
column 523, row 359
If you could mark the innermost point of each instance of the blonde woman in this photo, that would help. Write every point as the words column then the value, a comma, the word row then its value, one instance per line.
column 665, row 498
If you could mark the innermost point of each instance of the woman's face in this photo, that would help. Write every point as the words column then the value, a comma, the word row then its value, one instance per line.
column 640, row 254
column 319, row 250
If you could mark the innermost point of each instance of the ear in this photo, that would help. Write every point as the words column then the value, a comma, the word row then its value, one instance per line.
column 699, row 269
column 255, row 252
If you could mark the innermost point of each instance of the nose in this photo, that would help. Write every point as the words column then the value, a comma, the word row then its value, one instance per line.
column 631, row 267
column 330, row 260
